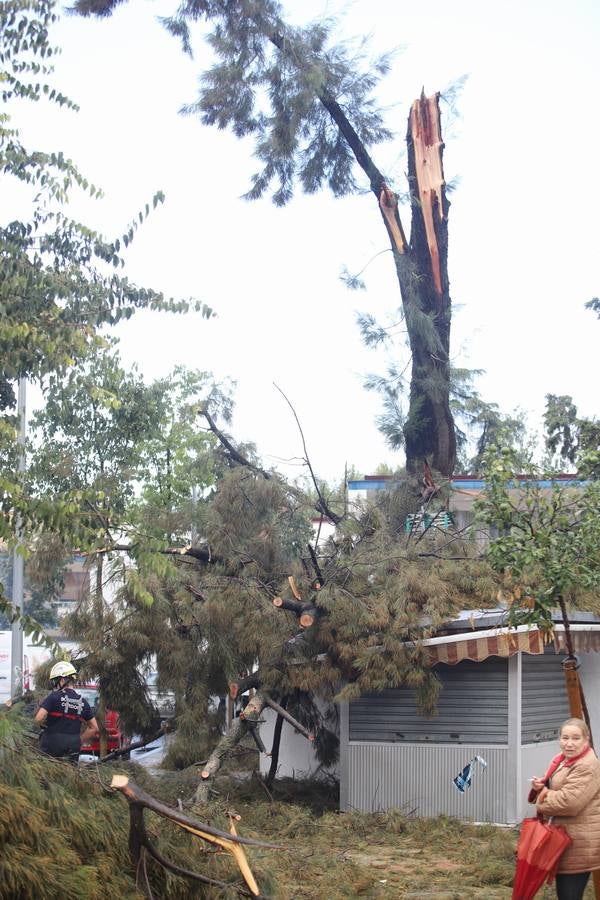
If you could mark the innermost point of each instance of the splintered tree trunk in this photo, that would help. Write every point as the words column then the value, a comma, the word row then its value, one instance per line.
column 422, row 269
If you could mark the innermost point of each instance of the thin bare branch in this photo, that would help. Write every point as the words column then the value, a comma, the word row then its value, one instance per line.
column 322, row 505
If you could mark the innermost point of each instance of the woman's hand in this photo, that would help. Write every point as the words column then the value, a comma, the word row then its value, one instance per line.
column 537, row 784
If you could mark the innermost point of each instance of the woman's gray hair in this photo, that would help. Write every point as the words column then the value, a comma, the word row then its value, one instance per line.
column 577, row 723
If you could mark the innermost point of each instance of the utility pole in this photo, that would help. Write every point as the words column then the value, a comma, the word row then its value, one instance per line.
column 16, row 658
column 194, row 532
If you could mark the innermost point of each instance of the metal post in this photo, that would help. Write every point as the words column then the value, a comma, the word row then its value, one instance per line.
column 194, row 533
column 514, row 746
column 16, row 658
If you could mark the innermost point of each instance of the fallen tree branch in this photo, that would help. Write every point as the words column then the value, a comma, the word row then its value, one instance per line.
column 187, row 873
column 140, row 800
column 233, row 452
column 288, row 718
column 321, row 581
column 238, row 730
column 276, row 746
column 136, row 745
column 321, row 505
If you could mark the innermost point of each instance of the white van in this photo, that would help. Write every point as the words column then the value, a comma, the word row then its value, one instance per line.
column 33, row 656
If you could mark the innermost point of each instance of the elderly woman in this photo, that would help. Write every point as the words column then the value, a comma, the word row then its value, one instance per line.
column 569, row 792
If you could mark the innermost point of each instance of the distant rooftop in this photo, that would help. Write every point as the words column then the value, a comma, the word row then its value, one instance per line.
column 464, row 482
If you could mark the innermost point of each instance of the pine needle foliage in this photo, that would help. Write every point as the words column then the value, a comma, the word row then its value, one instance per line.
column 268, row 82
column 210, row 619
column 63, row 833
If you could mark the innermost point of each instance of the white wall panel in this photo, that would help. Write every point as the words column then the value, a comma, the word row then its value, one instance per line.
column 420, row 778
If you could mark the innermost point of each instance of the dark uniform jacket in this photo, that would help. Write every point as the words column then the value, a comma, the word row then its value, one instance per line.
column 66, row 710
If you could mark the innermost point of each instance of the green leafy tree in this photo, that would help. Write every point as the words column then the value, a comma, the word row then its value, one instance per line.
column 124, row 458
column 487, row 428
column 548, row 544
column 307, row 104
column 60, row 281
column 176, row 459
column 571, row 438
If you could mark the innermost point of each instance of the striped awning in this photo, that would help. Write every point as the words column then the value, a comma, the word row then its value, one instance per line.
column 477, row 646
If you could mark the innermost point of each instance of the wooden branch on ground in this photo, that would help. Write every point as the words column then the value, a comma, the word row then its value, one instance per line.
column 187, row 873
column 138, row 839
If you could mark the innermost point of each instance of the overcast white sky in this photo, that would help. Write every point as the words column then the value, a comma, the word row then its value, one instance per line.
column 523, row 222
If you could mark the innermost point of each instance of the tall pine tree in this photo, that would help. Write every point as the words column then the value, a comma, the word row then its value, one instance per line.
column 308, row 105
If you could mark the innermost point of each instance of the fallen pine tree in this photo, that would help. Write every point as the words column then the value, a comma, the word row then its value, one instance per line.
column 64, row 831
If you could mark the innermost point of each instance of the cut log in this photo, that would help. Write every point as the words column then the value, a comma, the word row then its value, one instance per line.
column 231, row 739
column 291, row 605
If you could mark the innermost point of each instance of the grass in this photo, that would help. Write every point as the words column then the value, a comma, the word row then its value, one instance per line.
column 61, row 825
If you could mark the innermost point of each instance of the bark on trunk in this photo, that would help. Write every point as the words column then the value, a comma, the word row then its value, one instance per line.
column 423, row 275
column 99, row 614
column 246, row 723
column 238, row 730
column 276, row 746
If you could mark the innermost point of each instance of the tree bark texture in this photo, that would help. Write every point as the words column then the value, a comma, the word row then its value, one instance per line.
column 246, row 723
column 423, row 276
column 276, row 746
column 422, row 271
column 238, row 730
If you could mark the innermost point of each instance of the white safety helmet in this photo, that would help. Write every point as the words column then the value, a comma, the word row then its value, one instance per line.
column 62, row 670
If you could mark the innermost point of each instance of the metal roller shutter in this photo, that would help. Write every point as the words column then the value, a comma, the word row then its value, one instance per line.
column 544, row 704
column 472, row 708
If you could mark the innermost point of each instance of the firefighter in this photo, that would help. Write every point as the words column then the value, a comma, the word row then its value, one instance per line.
column 61, row 714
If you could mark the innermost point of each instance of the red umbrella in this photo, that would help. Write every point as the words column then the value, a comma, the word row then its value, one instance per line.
column 540, row 847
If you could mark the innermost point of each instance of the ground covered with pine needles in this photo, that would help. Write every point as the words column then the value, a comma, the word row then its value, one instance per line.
column 64, row 834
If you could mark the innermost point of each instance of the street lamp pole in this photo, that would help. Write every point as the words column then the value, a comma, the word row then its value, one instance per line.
column 16, row 659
